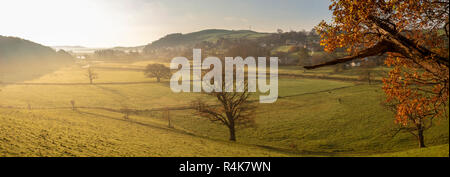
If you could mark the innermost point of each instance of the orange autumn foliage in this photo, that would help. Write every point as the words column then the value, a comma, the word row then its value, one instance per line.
column 414, row 36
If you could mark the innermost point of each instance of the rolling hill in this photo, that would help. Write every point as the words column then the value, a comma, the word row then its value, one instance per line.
column 13, row 49
column 210, row 35
column 22, row 59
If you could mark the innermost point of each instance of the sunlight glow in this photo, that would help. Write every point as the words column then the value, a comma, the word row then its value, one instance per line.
column 109, row 23
column 66, row 21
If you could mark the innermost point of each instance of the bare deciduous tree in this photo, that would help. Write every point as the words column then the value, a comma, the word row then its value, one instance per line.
column 157, row 70
column 91, row 75
column 234, row 109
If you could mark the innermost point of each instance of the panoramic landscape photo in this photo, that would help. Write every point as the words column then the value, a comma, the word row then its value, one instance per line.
column 255, row 78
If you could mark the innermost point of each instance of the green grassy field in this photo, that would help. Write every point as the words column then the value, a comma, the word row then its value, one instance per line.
column 329, row 72
column 312, row 117
column 99, row 133
column 433, row 151
column 320, row 124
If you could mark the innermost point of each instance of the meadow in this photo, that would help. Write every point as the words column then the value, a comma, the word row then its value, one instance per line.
column 312, row 117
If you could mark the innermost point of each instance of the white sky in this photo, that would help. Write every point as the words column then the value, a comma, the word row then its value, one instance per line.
column 108, row 23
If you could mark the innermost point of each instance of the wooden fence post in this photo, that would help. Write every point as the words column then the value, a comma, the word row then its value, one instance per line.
column 72, row 102
column 167, row 115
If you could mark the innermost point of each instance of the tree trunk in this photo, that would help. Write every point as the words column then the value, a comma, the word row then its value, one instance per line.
column 232, row 132
column 158, row 79
column 420, row 137
column 90, row 80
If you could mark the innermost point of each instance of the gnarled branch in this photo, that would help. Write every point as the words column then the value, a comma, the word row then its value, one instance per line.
column 378, row 49
column 392, row 41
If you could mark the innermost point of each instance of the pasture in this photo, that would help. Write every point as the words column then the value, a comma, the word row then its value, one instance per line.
column 312, row 117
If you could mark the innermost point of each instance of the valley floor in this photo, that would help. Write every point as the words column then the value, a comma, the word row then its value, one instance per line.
column 312, row 117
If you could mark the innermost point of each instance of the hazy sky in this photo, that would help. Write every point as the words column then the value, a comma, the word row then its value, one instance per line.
column 107, row 23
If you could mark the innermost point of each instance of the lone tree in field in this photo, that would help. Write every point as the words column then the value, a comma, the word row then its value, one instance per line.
column 157, row 70
column 414, row 36
column 424, row 122
column 91, row 75
column 233, row 109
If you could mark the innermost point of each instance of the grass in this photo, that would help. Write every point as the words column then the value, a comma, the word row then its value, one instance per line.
column 433, row 151
column 86, row 133
column 320, row 124
column 139, row 96
column 353, row 73
column 312, row 117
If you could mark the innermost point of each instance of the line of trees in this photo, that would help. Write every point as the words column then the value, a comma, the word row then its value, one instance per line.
column 111, row 54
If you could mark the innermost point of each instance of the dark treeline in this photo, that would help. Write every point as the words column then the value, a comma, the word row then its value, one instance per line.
column 111, row 54
column 231, row 43
column 292, row 48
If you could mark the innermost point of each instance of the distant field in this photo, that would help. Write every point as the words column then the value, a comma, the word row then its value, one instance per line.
column 354, row 73
column 139, row 96
column 312, row 117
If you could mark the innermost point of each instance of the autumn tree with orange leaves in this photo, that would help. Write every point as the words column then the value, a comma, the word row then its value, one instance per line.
column 413, row 34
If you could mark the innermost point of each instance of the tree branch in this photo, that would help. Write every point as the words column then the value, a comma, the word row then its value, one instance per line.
column 378, row 49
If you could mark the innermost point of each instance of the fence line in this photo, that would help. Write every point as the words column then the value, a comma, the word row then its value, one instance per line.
column 81, row 83
column 175, row 108
column 152, row 82
column 178, row 108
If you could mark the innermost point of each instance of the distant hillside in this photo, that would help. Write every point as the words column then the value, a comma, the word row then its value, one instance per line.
column 22, row 59
column 16, row 48
column 210, row 35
